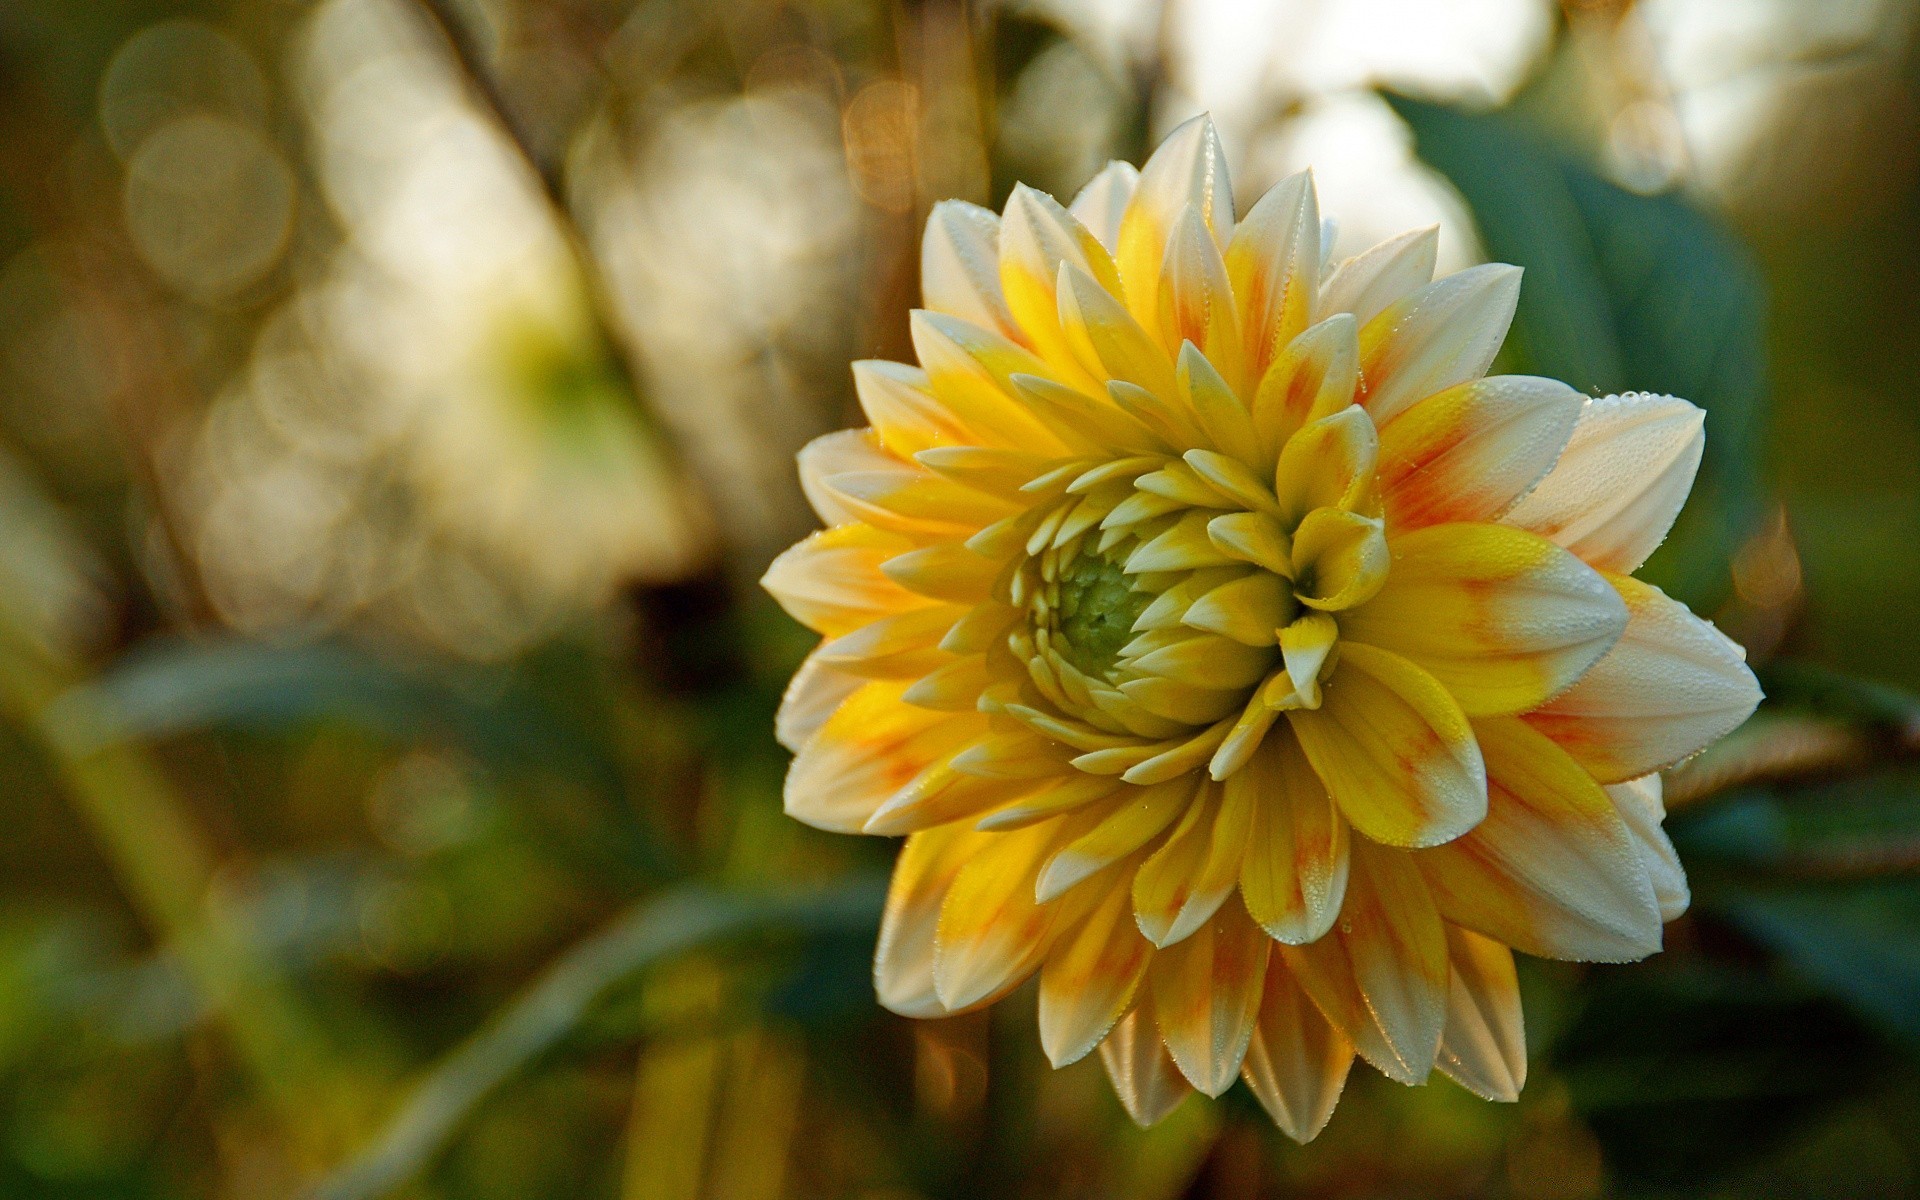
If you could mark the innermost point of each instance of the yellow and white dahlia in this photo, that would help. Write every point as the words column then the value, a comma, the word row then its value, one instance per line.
column 1235, row 654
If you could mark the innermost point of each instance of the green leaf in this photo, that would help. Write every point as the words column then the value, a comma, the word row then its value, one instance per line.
column 504, row 721
column 1623, row 292
column 542, row 1016
column 1855, row 941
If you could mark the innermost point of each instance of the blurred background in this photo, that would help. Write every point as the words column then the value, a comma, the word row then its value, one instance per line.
column 398, row 399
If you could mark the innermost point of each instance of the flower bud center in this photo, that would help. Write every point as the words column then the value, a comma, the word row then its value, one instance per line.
column 1098, row 605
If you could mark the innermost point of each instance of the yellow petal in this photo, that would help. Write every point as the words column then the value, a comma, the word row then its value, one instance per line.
column 1468, row 453
column 902, row 410
column 1187, row 880
column 1248, row 609
column 1367, row 283
column 940, row 795
column 1328, row 463
column 1444, row 334
column 1621, row 481
column 992, row 932
column 960, row 266
column 872, row 746
column 1503, row 618
column 1136, row 818
column 968, row 370
column 832, row 581
column 1382, row 974
column 1672, row 685
column 901, row 645
column 1089, row 979
column 943, row 571
column 1206, row 661
column 1084, row 420
column 1196, row 300
column 1316, row 375
column 1037, row 239
column 1640, row 806
column 1297, row 1062
column 1189, row 168
column 1339, row 559
column 1273, row 262
column 812, row 695
column 1104, row 336
column 1222, row 416
column 1006, row 474
column 1552, row 870
column 1305, row 644
column 1294, row 877
column 1253, row 537
column 1484, row 1046
column 1182, row 547
column 1394, row 750
column 1100, row 205
column 1206, row 994
column 903, row 957
column 1233, row 479
column 1144, row 1075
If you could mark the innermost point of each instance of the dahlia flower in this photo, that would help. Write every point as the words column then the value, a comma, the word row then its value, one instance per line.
column 1235, row 654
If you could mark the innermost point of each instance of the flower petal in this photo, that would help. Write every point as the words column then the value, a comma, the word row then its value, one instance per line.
column 1552, row 871
column 1297, row 1062
column 1625, row 473
column 1196, row 299
column 903, row 958
column 1104, row 336
column 1671, row 686
column 1188, row 168
column 1367, row 283
column 832, row 582
column 1328, row 463
column 812, row 695
column 1340, row 559
column 900, row 645
column 1470, row 452
column 1273, row 262
column 1090, row 978
column 1382, row 974
column 902, row 410
column 1394, row 749
column 1144, row 1075
column 1315, row 376
column 1504, row 619
column 1100, row 205
column 873, row 745
column 1037, row 239
column 1294, row 874
column 992, row 932
column 969, row 369
column 1639, row 804
column 1444, row 334
column 1190, row 876
column 1134, row 819
column 1206, row 994
column 1484, row 1046
column 960, row 266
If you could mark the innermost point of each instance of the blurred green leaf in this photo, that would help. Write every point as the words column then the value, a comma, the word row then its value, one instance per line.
column 1623, row 292
column 1855, row 940
column 503, row 721
column 541, row 1017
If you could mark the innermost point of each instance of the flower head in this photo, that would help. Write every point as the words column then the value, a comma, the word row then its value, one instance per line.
column 1236, row 655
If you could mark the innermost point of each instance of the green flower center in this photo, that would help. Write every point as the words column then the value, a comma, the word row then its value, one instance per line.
column 1097, row 608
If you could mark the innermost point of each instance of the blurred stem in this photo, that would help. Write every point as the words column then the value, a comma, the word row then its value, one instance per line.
column 470, row 60
column 654, row 930
column 139, row 824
